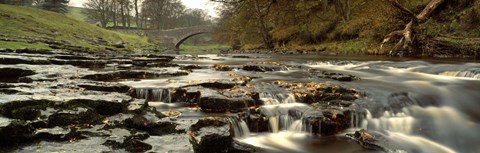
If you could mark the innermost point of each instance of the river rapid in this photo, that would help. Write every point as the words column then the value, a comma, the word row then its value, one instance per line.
column 52, row 101
column 410, row 105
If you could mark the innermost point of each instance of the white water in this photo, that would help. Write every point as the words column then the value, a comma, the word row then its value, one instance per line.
column 154, row 94
column 240, row 127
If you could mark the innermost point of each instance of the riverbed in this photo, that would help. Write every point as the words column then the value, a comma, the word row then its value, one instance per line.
column 256, row 103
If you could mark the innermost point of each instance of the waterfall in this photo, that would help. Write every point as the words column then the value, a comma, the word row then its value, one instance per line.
column 239, row 126
column 154, row 94
column 284, row 116
column 465, row 74
column 439, row 124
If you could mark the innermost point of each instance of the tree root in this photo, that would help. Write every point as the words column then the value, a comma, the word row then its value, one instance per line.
column 406, row 37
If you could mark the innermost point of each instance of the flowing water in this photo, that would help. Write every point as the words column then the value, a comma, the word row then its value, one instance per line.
column 415, row 105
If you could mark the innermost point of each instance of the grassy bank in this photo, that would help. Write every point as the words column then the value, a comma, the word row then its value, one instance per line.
column 26, row 23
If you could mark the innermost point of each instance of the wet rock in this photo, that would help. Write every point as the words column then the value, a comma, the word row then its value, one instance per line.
column 336, row 121
column 80, row 63
column 24, row 109
column 221, row 67
column 107, row 87
column 9, row 91
column 4, row 85
column 189, row 95
column 397, row 101
column 28, row 51
column 14, row 131
column 240, row 56
column 92, row 144
column 333, row 75
column 130, row 141
column 112, row 76
column 152, row 60
column 10, row 60
column 55, row 134
column 74, row 116
column 257, row 123
column 177, row 143
column 210, row 136
column 366, row 139
column 74, row 57
column 313, row 92
column 264, row 68
column 11, row 74
column 103, row 107
column 219, row 84
column 152, row 125
column 190, row 67
column 160, row 56
column 220, row 103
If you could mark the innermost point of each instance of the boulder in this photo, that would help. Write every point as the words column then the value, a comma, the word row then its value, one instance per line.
column 210, row 136
column 220, row 103
column 222, row 67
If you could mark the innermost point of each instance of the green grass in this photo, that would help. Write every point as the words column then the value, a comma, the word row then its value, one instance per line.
column 20, row 45
column 36, row 23
column 76, row 13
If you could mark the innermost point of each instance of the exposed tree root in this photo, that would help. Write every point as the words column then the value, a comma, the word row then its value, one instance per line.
column 406, row 37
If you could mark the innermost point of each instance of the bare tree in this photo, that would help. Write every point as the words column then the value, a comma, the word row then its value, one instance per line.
column 98, row 10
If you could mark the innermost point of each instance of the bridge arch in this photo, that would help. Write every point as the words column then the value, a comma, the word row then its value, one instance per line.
column 173, row 38
column 180, row 42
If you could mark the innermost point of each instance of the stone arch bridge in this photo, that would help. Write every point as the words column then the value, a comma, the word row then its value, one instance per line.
column 173, row 38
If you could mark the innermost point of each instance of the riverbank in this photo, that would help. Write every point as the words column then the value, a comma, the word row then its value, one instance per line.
column 28, row 27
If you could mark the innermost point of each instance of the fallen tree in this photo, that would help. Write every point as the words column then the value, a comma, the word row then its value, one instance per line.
column 409, row 42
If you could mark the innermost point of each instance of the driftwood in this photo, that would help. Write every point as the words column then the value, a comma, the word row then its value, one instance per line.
column 406, row 37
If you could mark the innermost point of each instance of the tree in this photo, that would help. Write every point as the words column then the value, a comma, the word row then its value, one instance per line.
column 56, row 5
column 98, row 10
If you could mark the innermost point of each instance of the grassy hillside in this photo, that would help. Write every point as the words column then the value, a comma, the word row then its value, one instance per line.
column 27, row 23
column 76, row 13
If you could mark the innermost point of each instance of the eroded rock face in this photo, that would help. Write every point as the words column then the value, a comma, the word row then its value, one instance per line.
column 264, row 68
column 210, row 136
column 114, row 76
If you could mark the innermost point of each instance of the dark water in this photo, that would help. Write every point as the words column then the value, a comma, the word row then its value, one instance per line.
column 443, row 95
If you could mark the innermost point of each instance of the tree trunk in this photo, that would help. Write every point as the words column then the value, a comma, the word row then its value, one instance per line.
column 122, row 12
column 263, row 28
column 406, row 37
column 136, row 14
column 127, row 14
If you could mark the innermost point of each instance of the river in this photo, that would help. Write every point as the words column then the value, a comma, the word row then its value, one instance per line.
column 411, row 105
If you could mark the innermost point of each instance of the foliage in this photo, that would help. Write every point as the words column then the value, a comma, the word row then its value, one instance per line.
column 146, row 14
column 51, row 5
column 55, row 5
column 353, row 23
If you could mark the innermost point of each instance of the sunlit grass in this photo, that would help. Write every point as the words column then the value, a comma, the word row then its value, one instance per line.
column 35, row 23
column 20, row 45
